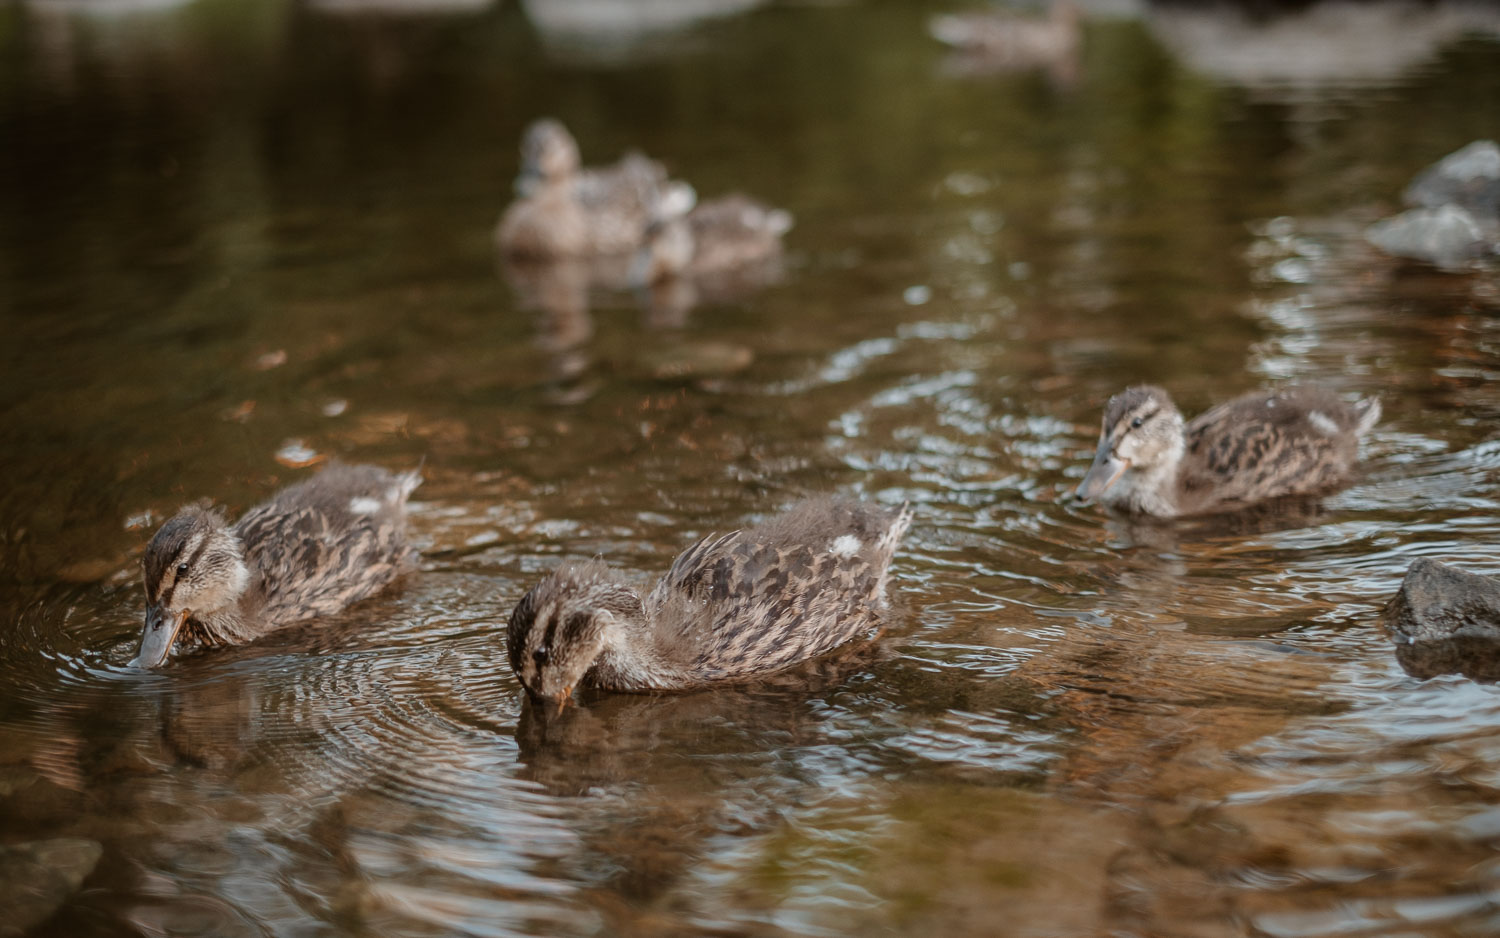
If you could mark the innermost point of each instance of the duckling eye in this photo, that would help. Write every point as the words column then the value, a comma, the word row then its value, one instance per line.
column 1136, row 422
column 540, row 656
column 181, row 569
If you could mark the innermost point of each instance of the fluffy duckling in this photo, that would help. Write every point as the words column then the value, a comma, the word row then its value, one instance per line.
column 732, row 606
column 1006, row 40
column 564, row 210
column 1299, row 441
column 311, row 550
column 719, row 236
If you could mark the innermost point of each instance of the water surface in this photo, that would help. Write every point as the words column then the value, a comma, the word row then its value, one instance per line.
column 240, row 237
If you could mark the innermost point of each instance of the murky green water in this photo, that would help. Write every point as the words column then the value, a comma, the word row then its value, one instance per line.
column 236, row 232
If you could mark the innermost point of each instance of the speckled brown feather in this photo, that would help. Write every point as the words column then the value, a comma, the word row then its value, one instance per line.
column 731, row 606
column 732, row 231
column 564, row 210
column 308, row 550
column 311, row 555
column 1262, row 446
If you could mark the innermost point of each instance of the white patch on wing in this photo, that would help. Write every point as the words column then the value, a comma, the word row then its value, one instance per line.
column 1322, row 423
column 846, row 545
column 364, row 505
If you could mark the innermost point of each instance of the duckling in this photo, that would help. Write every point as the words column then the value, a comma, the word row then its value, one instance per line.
column 1262, row 445
column 312, row 549
column 567, row 211
column 731, row 607
column 686, row 239
column 1007, row 41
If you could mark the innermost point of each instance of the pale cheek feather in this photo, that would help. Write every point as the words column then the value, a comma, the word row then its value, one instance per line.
column 364, row 505
column 845, row 546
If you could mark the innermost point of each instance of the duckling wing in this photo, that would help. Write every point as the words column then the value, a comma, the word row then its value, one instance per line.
column 1296, row 442
column 618, row 201
column 330, row 541
column 788, row 590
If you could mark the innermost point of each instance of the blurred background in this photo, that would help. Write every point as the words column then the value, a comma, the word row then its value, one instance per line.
column 239, row 238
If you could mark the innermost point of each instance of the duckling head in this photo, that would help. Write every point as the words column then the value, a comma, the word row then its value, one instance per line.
column 1140, row 445
column 548, row 154
column 193, row 568
column 558, row 629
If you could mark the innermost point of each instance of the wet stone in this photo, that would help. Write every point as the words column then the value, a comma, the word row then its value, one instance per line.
column 1447, row 236
column 1446, row 621
column 38, row 876
column 1468, row 178
column 1437, row 602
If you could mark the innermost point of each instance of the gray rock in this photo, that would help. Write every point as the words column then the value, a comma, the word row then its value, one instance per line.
column 1437, row 602
column 38, row 876
column 1447, row 236
column 1468, row 178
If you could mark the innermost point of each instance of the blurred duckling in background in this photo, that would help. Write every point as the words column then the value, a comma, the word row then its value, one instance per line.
column 723, row 235
column 563, row 210
column 311, row 550
column 731, row 608
column 999, row 40
column 1262, row 445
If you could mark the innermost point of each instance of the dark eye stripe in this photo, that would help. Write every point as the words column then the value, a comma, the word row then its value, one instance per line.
column 1143, row 417
column 550, row 635
column 167, row 564
column 191, row 560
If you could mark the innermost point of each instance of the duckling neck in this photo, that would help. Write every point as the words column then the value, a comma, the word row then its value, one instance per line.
column 228, row 626
column 632, row 660
column 1152, row 489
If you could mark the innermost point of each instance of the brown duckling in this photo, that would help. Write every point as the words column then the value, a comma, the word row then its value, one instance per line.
column 1262, row 445
column 1006, row 40
column 565, row 210
column 732, row 607
column 312, row 549
column 719, row 236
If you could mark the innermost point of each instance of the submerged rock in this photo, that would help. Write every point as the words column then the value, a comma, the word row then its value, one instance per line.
column 1456, row 214
column 1446, row 621
column 1468, row 178
column 38, row 876
column 1447, row 236
column 1437, row 602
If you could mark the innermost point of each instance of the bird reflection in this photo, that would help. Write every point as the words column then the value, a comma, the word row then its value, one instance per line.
column 556, row 293
column 652, row 747
column 999, row 41
column 1281, row 514
column 561, row 293
column 608, row 738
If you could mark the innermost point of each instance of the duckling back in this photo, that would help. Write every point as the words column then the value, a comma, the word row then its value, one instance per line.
column 789, row 589
column 1300, row 441
column 618, row 201
column 733, row 231
column 318, row 546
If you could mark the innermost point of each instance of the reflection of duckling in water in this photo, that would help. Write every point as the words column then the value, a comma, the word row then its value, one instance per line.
column 732, row 607
column 564, row 210
column 1259, row 446
column 997, row 40
column 720, row 236
column 313, row 549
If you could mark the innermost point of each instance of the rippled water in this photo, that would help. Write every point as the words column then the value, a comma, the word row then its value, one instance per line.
column 238, row 237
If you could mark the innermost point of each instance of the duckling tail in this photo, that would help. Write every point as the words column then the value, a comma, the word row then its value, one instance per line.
column 1368, row 413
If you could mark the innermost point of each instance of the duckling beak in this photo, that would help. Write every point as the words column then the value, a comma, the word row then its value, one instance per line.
column 562, row 699
column 158, row 636
column 1102, row 474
